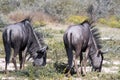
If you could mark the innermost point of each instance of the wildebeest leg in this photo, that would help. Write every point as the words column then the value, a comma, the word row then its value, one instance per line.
column 20, row 60
column 14, row 60
column 7, row 58
column 85, row 60
column 6, row 67
column 75, row 61
column 7, row 54
column 70, row 59
column 24, row 56
column 81, row 62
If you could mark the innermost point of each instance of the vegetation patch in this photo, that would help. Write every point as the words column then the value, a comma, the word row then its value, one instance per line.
column 44, row 73
column 112, row 22
column 76, row 19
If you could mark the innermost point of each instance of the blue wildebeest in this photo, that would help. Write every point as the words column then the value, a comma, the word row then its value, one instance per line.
column 21, row 37
column 41, row 40
column 81, row 38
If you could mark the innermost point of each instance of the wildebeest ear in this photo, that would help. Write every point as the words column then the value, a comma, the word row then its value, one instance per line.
column 45, row 48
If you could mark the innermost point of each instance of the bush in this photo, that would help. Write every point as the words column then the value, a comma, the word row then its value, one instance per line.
column 56, row 50
column 47, row 72
column 112, row 22
column 39, row 23
column 7, row 6
column 76, row 19
column 62, row 9
column 3, row 21
column 102, row 20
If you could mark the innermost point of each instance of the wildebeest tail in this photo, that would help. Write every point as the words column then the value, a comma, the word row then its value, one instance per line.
column 69, row 38
column 7, row 44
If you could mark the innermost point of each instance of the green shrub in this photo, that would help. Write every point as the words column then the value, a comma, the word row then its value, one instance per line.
column 39, row 23
column 56, row 49
column 7, row 6
column 47, row 72
column 112, row 22
column 62, row 9
column 3, row 21
column 103, row 21
column 76, row 19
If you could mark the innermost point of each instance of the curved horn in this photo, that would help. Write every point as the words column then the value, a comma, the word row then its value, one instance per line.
column 29, row 58
column 37, row 40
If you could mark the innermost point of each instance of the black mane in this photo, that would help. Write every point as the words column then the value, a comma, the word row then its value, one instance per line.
column 96, row 36
column 26, row 19
column 85, row 21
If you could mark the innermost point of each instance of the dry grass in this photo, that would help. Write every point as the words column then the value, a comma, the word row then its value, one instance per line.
column 19, row 15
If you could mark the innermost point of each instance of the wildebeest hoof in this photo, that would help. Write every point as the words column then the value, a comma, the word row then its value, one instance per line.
column 83, row 74
column 67, row 74
column 6, row 72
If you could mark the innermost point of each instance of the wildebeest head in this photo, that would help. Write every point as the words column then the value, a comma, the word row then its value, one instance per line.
column 40, row 57
column 96, row 61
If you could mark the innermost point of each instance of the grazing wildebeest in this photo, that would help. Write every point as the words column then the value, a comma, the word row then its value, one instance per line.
column 21, row 37
column 81, row 38
column 42, row 43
